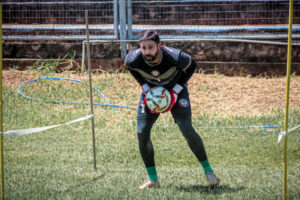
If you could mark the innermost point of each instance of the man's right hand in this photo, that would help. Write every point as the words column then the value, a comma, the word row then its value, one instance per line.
column 145, row 87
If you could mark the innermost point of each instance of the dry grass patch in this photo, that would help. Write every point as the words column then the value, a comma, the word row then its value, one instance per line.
column 241, row 95
column 210, row 94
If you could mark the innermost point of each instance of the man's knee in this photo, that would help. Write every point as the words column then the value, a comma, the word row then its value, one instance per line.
column 143, row 130
column 143, row 126
column 186, row 128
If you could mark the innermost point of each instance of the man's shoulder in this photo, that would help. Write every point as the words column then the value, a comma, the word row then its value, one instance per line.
column 171, row 52
column 132, row 57
column 182, row 59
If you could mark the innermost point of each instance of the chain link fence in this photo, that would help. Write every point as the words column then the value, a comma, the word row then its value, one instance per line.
column 241, row 19
column 251, row 21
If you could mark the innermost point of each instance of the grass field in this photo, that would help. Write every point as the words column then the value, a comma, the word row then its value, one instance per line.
column 58, row 163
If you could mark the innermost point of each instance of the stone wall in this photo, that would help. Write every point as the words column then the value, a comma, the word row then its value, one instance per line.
column 230, row 58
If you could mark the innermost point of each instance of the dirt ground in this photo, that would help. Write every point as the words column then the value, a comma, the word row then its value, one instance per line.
column 217, row 93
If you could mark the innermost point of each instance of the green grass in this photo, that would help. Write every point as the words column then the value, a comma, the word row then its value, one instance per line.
column 58, row 163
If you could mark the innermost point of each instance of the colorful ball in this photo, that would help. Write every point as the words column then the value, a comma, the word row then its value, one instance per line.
column 158, row 99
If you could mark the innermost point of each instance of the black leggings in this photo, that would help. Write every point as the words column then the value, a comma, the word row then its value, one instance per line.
column 181, row 113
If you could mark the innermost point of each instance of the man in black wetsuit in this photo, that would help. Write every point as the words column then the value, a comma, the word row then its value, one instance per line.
column 156, row 65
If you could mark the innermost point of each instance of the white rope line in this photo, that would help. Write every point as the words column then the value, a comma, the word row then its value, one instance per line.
column 40, row 129
column 285, row 133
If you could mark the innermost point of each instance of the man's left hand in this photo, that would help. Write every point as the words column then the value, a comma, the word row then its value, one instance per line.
column 174, row 96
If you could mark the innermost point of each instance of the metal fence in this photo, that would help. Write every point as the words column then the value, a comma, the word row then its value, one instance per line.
column 253, row 20
column 215, row 18
column 58, row 20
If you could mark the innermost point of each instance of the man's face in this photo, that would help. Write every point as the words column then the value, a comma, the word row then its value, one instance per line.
column 150, row 50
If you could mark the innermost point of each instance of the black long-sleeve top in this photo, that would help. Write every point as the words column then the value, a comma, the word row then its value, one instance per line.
column 174, row 67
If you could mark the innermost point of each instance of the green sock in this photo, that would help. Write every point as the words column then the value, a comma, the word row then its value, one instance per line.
column 206, row 166
column 152, row 173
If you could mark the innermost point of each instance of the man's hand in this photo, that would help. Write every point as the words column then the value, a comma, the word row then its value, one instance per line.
column 174, row 96
column 146, row 89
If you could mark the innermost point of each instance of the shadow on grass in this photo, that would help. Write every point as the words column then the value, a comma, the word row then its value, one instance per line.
column 82, row 184
column 206, row 189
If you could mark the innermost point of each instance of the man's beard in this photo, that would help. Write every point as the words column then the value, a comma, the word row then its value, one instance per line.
column 152, row 58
